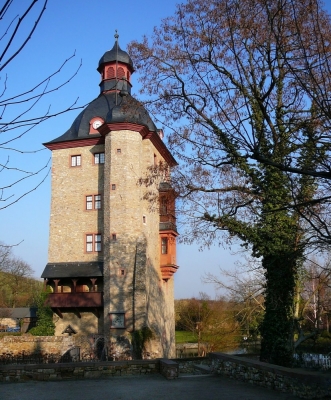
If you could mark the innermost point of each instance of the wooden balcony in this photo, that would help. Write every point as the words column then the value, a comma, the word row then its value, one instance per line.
column 78, row 299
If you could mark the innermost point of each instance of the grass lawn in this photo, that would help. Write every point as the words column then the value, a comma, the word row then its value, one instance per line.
column 185, row 337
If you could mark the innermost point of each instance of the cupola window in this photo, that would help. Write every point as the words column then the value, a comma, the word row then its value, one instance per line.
column 110, row 73
column 120, row 73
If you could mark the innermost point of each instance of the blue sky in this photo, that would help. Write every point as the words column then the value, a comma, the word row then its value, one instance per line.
column 87, row 29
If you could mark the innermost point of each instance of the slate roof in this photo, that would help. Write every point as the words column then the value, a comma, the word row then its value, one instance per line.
column 21, row 312
column 128, row 109
column 113, row 54
column 73, row 270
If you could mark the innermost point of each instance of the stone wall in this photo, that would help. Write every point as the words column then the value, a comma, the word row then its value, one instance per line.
column 86, row 324
column 90, row 370
column 302, row 383
column 69, row 220
column 16, row 345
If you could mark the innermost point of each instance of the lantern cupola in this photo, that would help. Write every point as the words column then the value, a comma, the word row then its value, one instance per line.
column 115, row 68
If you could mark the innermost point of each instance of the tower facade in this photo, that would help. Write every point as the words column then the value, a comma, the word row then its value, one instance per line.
column 112, row 244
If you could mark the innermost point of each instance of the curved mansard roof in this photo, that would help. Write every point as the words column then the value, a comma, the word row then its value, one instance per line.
column 114, row 105
column 128, row 109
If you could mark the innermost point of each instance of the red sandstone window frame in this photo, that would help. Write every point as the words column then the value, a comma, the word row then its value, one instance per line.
column 93, row 202
column 164, row 245
column 99, row 158
column 76, row 160
column 93, row 243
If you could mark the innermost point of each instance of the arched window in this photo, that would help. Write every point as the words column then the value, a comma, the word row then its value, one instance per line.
column 110, row 73
column 120, row 72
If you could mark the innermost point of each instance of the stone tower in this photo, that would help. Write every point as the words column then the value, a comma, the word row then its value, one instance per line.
column 112, row 250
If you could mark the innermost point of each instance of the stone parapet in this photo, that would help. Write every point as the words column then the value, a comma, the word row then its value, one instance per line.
column 81, row 370
column 302, row 383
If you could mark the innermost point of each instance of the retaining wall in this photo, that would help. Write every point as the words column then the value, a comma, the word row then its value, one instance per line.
column 80, row 370
column 303, row 383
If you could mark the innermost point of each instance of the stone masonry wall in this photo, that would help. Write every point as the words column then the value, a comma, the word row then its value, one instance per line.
column 84, row 325
column 305, row 384
column 132, row 278
column 55, row 345
column 69, row 219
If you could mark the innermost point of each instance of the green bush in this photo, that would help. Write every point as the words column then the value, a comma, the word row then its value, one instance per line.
column 45, row 325
column 139, row 339
column 326, row 334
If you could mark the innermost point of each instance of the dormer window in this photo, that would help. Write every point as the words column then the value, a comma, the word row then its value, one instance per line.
column 95, row 123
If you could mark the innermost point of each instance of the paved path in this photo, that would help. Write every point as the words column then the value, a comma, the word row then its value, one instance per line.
column 148, row 387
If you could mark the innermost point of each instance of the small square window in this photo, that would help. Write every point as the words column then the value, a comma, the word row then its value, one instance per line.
column 113, row 236
column 113, row 187
column 117, row 320
column 119, row 151
column 76, row 161
column 99, row 158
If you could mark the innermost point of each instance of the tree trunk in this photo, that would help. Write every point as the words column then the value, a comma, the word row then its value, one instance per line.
column 277, row 328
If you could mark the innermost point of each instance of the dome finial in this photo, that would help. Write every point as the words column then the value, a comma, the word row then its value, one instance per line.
column 116, row 36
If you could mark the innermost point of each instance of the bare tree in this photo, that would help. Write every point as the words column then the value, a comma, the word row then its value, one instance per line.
column 212, row 322
column 18, row 115
column 228, row 78
column 17, row 285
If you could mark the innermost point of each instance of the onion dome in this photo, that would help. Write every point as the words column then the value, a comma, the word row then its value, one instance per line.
column 113, row 55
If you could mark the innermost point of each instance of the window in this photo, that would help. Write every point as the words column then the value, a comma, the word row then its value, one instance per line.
column 113, row 187
column 93, row 242
column 76, row 161
column 120, row 73
column 119, row 151
column 144, row 219
column 89, row 243
column 97, row 202
column 93, row 202
column 164, row 205
column 113, row 236
column 164, row 245
column 117, row 320
column 110, row 73
column 99, row 158
column 89, row 202
column 97, row 242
